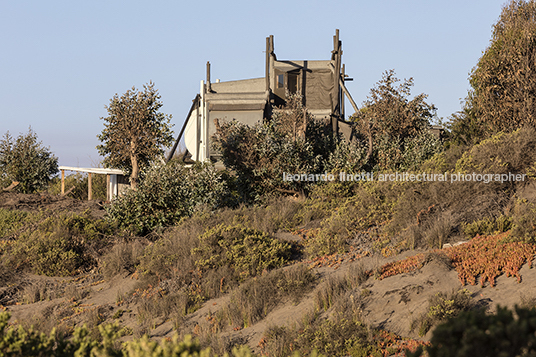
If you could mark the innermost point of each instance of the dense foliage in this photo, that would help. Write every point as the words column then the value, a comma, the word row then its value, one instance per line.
column 29, row 342
column 56, row 245
column 476, row 333
column 293, row 142
column 504, row 80
column 27, row 161
column 135, row 131
column 168, row 193
column 248, row 251
column 395, row 127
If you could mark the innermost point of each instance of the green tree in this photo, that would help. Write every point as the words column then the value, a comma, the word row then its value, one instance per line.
column 390, row 121
column 504, row 80
column 27, row 161
column 293, row 142
column 135, row 132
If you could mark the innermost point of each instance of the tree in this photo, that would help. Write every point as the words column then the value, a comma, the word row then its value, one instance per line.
column 504, row 80
column 390, row 121
column 292, row 142
column 135, row 131
column 27, row 161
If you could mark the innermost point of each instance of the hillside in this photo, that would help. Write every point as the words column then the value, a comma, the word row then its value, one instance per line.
column 347, row 283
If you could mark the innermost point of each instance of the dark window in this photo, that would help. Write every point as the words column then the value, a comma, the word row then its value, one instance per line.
column 292, row 83
column 281, row 81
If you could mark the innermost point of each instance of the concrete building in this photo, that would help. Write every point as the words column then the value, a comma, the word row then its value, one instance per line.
column 250, row 101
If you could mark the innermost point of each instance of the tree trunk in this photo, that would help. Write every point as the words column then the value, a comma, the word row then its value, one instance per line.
column 135, row 167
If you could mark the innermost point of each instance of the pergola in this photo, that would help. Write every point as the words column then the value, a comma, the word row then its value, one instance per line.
column 112, row 184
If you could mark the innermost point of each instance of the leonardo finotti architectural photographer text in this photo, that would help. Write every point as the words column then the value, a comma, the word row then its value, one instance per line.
column 404, row 176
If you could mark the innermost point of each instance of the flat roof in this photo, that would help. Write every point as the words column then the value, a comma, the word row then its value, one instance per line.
column 93, row 170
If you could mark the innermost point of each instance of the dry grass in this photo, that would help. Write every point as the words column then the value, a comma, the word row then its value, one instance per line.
column 254, row 299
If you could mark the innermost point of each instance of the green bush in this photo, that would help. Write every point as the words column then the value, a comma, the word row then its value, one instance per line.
column 475, row 333
column 372, row 204
column 58, row 245
column 443, row 306
column 168, row 193
column 488, row 226
column 26, row 161
column 28, row 342
column 11, row 221
column 247, row 251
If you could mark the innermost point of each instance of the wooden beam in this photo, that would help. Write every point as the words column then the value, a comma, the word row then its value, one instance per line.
column 62, row 182
column 348, row 95
column 89, row 196
column 195, row 103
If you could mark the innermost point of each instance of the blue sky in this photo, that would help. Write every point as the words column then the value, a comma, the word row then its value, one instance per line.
column 62, row 61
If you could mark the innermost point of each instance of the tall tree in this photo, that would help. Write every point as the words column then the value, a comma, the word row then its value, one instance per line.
column 135, row 132
column 504, row 80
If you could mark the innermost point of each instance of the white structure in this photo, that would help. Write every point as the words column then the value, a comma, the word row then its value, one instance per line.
column 115, row 180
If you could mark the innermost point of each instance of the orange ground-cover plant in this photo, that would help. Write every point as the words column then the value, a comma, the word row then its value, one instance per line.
column 488, row 257
column 484, row 257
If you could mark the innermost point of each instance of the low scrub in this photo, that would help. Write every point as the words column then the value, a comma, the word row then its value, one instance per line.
column 476, row 333
column 247, row 250
column 443, row 306
column 61, row 244
column 18, row 341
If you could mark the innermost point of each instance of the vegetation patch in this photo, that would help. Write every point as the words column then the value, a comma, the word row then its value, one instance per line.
column 442, row 306
column 247, row 251
column 488, row 257
column 484, row 258
column 257, row 297
column 58, row 245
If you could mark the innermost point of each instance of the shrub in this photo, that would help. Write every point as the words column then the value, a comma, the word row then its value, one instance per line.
column 370, row 205
column 28, row 342
column 475, row 333
column 59, row 245
column 168, row 193
column 26, row 161
column 488, row 226
column 443, row 306
column 247, row 251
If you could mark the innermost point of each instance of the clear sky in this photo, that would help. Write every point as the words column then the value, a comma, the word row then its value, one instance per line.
column 62, row 61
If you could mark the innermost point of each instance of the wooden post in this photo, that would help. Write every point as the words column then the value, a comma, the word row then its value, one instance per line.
column 108, row 188
column 209, row 85
column 267, row 68
column 89, row 186
column 62, row 182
